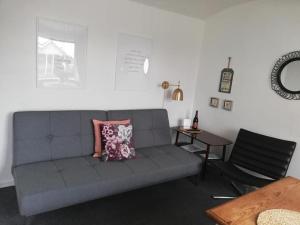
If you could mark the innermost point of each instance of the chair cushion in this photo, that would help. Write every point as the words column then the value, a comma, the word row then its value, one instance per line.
column 235, row 173
column 49, row 185
column 262, row 154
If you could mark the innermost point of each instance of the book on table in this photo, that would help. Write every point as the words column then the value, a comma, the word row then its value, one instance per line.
column 195, row 149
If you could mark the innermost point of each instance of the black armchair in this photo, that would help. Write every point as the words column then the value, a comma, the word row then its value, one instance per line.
column 259, row 155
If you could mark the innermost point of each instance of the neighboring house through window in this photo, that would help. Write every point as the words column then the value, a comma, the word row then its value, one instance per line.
column 57, row 56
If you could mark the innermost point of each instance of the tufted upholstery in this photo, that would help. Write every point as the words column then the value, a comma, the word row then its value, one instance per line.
column 53, row 166
column 42, row 136
column 150, row 127
column 45, row 186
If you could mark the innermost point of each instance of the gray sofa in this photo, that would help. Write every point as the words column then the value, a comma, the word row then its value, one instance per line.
column 53, row 166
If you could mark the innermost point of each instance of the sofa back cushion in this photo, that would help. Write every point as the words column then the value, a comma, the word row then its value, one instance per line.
column 47, row 135
column 150, row 126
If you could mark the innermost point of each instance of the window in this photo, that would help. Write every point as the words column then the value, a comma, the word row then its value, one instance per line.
column 61, row 54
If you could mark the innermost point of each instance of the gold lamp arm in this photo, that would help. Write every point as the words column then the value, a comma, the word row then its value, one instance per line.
column 166, row 84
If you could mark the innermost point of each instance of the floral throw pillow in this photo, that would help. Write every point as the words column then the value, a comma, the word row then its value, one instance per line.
column 97, row 135
column 117, row 142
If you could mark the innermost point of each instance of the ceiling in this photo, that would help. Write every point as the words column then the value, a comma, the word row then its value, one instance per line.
column 195, row 8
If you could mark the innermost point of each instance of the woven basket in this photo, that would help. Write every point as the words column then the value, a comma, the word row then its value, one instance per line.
column 279, row 217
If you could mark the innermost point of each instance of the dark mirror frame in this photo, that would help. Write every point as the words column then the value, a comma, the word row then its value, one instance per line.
column 276, row 83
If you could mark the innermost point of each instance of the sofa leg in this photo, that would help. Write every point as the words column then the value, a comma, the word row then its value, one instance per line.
column 28, row 220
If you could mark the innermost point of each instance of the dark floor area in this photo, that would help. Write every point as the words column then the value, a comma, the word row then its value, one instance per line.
column 174, row 203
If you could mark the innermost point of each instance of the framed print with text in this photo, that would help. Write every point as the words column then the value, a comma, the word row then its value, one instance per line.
column 226, row 79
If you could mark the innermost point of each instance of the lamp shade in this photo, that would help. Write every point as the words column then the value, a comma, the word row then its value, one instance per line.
column 177, row 95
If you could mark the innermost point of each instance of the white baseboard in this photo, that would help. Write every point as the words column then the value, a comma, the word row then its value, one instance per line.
column 6, row 183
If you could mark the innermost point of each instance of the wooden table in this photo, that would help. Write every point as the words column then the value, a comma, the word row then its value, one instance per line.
column 282, row 194
column 206, row 138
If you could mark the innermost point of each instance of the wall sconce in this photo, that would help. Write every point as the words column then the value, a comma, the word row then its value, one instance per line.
column 177, row 93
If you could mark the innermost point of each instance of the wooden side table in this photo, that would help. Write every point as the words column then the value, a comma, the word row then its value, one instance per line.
column 206, row 138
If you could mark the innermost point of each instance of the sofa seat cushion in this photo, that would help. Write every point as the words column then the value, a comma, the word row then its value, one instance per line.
column 49, row 185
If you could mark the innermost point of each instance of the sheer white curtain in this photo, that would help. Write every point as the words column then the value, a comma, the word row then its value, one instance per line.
column 61, row 54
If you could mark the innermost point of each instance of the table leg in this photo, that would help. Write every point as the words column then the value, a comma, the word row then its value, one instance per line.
column 224, row 153
column 205, row 161
column 177, row 136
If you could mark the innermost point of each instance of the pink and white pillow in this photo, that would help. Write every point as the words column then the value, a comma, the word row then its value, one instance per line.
column 97, row 134
column 117, row 142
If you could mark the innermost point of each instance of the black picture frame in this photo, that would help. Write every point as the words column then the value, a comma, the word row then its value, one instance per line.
column 226, row 80
column 214, row 102
column 227, row 105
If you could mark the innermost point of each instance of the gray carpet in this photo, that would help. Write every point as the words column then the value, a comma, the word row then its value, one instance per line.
column 178, row 202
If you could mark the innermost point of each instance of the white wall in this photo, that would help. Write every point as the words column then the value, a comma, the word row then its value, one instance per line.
column 176, row 39
column 255, row 34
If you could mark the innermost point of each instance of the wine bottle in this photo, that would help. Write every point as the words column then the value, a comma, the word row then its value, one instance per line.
column 195, row 121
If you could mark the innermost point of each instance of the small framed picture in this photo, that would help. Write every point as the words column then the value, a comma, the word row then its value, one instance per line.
column 227, row 105
column 214, row 102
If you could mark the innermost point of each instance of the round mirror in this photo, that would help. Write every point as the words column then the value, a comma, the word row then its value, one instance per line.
column 290, row 76
column 285, row 77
